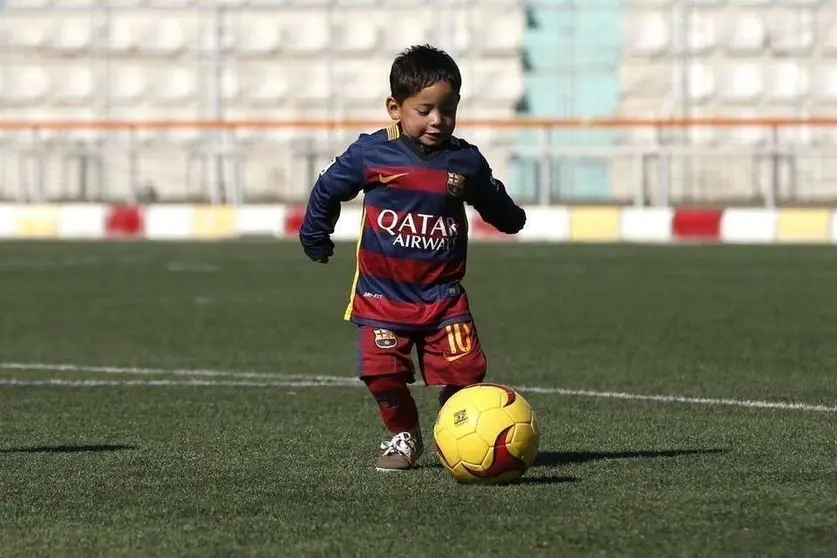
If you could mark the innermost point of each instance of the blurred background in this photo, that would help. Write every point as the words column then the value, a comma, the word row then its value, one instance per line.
column 643, row 102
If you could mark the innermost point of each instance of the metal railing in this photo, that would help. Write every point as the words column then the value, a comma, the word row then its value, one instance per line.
column 662, row 172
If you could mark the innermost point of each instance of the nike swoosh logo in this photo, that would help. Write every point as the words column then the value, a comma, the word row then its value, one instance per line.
column 451, row 358
column 387, row 179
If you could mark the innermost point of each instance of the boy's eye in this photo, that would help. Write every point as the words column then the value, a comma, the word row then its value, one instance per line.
column 423, row 112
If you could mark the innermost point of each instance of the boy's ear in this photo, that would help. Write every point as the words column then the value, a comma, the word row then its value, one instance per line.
column 393, row 108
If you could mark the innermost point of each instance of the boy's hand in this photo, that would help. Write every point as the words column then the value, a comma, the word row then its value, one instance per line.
column 318, row 250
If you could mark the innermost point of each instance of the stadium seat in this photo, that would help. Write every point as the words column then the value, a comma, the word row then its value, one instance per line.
column 746, row 35
column 168, row 36
column 825, row 83
column 74, row 85
column 363, row 83
column 73, row 35
column 128, row 84
column 506, row 31
column 308, row 32
column 702, row 33
column 701, row 82
column 258, row 37
column 175, row 86
column 742, row 83
column 498, row 85
column 413, row 32
column 647, row 33
column 786, row 82
column 791, row 32
column 125, row 32
column 645, row 80
column 26, row 85
column 312, row 86
column 268, row 89
column 828, row 32
column 355, row 39
column 27, row 32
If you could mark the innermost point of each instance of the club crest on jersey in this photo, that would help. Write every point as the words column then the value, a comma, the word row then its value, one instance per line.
column 456, row 184
column 385, row 339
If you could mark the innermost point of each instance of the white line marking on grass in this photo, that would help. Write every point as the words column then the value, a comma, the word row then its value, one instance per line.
column 58, row 382
column 303, row 380
column 756, row 404
column 39, row 366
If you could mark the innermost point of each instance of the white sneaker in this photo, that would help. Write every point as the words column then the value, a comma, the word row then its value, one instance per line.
column 401, row 452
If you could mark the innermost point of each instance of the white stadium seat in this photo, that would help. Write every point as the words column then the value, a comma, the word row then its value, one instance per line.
column 506, row 31
column 361, row 34
column 648, row 34
column 828, row 32
column 825, row 83
column 746, row 34
column 128, row 84
column 27, row 85
column 742, row 83
column 791, row 32
column 174, row 86
column 308, row 32
column 27, row 32
column 126, row 31
column 701, row 82
column 702, row 35
column 74, row 85
column 786, row 82
column 72, row 35
column 258, row 37
column 168, row 36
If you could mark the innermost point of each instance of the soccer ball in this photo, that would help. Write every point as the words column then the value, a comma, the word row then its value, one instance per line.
column 486, row 433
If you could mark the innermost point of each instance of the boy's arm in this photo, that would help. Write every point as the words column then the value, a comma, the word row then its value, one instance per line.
column 490, row 199
column 342, row 181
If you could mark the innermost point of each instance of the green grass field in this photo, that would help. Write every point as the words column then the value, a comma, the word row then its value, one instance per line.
column 199, row 400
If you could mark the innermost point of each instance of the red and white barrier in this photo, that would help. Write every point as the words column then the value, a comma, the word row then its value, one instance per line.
column 545, row 224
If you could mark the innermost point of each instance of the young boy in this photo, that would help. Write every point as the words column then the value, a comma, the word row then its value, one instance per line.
column 407, row 291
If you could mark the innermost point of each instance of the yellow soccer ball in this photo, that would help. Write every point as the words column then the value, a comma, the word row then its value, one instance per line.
column 486, row 433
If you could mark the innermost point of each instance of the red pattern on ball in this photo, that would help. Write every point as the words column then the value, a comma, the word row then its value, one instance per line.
column 503, row 461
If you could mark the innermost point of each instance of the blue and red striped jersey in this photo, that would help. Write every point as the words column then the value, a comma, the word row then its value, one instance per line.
column 413, row 244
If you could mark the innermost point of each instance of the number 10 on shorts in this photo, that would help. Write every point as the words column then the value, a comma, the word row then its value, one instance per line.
column 459, row 341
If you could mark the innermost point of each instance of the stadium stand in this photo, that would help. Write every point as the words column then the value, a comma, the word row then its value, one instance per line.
column 143, row 60
column 163, row 60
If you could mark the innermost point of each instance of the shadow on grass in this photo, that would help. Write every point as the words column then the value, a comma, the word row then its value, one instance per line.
column 558, row 458
column 546, row 480
column 70, row 448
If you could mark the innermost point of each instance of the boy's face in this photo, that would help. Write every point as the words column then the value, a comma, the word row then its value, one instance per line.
column 429, row 116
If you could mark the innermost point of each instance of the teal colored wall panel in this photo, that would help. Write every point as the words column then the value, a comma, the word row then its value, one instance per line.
column 573, row 56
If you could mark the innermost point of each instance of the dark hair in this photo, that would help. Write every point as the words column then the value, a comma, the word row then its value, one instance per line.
column 421, row 66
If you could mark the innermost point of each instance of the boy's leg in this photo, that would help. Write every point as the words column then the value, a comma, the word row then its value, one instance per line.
column 452, row 358
column 386, row 367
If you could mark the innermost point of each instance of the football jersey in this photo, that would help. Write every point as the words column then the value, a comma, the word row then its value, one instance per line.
column 413, row 243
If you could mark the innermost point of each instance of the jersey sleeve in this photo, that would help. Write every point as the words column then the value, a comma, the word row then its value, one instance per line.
column 490, row 199
column 340, row 182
